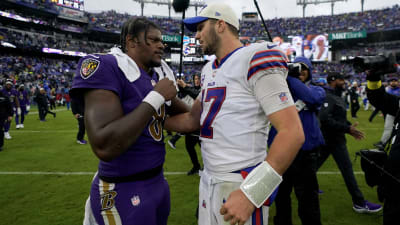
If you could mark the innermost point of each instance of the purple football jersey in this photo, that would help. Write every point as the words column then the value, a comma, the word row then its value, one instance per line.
column 12, row 93
column 102, row 72
column 23, row 98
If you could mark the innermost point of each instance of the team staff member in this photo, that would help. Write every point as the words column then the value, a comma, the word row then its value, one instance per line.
column 388, row 104
column 124, row 94
column 78, row 107
column 242, row 90
column 302, row 173
column 334, row 126
column 6, row 113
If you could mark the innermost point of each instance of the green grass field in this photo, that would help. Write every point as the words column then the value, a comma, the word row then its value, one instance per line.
column 41, row 183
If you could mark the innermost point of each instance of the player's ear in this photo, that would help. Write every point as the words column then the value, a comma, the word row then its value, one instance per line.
column 221, row 26
column 130, row 42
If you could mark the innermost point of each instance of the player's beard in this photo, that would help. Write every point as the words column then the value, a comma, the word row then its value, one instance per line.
column 154, row 63
column 213, row 43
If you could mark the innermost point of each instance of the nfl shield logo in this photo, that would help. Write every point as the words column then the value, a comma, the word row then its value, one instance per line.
column 204, row 204
column 135, row 200
column 283, row 97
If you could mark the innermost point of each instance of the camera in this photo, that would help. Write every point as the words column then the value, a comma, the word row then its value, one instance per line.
column 380, row 63
column 294, row 69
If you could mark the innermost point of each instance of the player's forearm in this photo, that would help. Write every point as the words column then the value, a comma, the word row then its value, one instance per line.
column 185, row 122
column 285, row 147
column 182, row 123
column 178, row 106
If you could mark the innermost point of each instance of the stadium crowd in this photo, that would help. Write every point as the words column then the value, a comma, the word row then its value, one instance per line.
column 111, row 21
column 372, row 20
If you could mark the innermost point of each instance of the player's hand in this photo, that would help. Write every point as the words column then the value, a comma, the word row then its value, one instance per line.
column 181, row 83
column 237, row 209
column 77, row 116
column 9, row 118
column 357, row 134
column 166, row 88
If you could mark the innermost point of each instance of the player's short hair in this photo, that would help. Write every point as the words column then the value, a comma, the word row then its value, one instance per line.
column 231, row 28
column 135, row 26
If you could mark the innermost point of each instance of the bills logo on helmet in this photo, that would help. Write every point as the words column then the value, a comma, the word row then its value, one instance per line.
column 89, row 67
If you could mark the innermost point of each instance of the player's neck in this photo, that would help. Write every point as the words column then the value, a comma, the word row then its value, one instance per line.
column 227, row 47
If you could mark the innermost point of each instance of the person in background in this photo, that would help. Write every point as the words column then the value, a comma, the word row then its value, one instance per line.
column 354, row 103
column 302, row 173
column 189, row 94
column 393, row 89
column 78, row 109
column 52, row 98
column 67, row 97
column 388, row 104
column 12, row 94
column 334, row 126
column 43, row 105
column 25, row 105
column 6, row 113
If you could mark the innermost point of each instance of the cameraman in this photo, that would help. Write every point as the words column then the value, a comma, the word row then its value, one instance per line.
column 301, row 175
column 389, row 104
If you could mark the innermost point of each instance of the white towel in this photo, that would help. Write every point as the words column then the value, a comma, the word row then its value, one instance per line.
column 132, row 72
column 126, row 64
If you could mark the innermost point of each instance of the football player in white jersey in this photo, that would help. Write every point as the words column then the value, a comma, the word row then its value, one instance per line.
column 243, row 90
column 320, row 48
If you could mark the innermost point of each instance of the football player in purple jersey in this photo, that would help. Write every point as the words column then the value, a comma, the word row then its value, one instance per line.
column 24, row 104
column 127, row 96
column 11, row 93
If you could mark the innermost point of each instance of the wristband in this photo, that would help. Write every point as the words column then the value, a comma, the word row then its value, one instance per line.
column 155, row 99
column 260, row 183
column 373, row 85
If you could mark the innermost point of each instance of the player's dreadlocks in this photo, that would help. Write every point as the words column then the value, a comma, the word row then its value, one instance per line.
column 133, row 27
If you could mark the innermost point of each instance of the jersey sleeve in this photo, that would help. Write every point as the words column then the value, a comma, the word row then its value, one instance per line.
column 273, row 93
column 97, row 72
column 267, row 61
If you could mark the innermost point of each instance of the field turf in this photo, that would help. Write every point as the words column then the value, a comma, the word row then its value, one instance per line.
column 45, row 177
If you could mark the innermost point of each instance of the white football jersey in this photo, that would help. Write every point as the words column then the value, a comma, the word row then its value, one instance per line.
column 297, row 43
column 317, row 42
column 234, row 126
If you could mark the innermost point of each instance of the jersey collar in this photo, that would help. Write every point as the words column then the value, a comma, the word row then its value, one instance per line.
column 215, row 65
